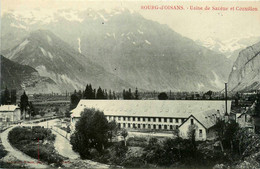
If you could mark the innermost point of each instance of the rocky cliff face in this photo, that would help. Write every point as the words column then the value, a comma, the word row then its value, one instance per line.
column 245, row 73
column 16, row 76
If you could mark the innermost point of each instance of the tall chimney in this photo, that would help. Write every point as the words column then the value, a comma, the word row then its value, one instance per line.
column 226, row 98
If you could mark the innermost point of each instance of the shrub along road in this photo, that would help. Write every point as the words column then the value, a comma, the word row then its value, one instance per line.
column 62, row 145
column 27, row 161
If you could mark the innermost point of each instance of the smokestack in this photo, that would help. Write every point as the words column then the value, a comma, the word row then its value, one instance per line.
column 226, row 98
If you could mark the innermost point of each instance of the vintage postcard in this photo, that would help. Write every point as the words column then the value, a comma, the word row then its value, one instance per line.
column 130, row 84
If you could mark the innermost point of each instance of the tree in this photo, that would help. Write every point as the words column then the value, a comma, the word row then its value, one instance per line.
column 192, row 135
column 162, row 96
column 124, row 133
column 124, row 94
column 127, row 95
column 257, row 106
column 176, row 132
column 94, row 94
column 220, row 130
column 91, row 132
column 89, row 93
column 86, row 94
column 7, row 98
column 114, row 95
column 74, row 99
column 24, row 104
column 230, row 131
column 136, row 94
column 42, row 113
column 56, row 109
column 32, row 111
column 100, row 93
column 209, row 93
column 13, row 97
column 248, row 142
column 67, row 113
column 237, row 97
column 112, row 129
column 226, row 132
column 105, row 94
column 110, row 95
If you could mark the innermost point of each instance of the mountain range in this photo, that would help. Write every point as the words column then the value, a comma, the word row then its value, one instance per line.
column 55, row 59
column 115, row 50
column 231, row 47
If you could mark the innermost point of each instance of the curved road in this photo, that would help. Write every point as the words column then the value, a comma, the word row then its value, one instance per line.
column 28, row 161
column 64, row 148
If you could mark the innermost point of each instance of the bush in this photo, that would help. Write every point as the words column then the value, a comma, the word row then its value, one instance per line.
column 114, row 155
column 134, row 162
column 42, row 113
column 137, row 142
column 26, row 140
column 3, row 153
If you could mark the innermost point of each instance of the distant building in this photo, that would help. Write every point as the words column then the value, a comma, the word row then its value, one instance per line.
column 157, row 114
column 9, row 113
column 244, row 120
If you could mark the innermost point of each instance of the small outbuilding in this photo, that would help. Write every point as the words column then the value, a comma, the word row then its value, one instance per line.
column 9, row 113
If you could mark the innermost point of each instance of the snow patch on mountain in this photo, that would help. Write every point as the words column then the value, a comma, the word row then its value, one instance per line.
column 102, row 16
column 201, row 86
column 20, row 26
column 140, row 31
column 30, row 17
column 43, row 51
column 19, row 48
column 71, row 16
column 229, row 46
column 146, row 41
column 79, row 48
column 217, row 81
column 50, row 55
column 49, row 39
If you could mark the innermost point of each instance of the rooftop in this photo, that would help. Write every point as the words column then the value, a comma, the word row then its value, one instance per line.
column 7, row 108
column 152, row 108
column 207, row 118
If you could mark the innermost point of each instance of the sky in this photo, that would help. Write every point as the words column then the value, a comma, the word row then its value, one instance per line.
column 194, row 24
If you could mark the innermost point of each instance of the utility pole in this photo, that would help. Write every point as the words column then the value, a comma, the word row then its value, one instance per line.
column 226, row 97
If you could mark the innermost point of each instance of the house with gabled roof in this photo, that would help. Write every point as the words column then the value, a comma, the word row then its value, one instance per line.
column 9, row 113
column 203, row 123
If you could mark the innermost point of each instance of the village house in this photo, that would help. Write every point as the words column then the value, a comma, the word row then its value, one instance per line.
column 9, row 113
column 202, row 122
column 244, row 120
column 157, row 114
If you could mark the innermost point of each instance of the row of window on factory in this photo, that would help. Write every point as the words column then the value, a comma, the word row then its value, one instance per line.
column 146, row 119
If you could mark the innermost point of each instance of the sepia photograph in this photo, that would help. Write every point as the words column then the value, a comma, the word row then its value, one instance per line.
column 130, row 84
